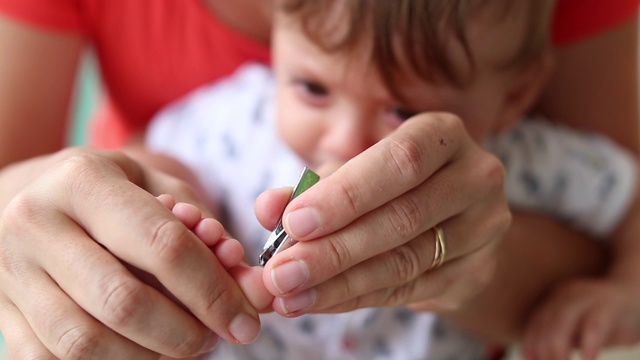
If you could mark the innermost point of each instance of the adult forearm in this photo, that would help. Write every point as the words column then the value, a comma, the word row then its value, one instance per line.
column 530, row 263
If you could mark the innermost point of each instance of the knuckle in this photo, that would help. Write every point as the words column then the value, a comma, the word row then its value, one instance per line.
column 78, row 343
column 356, row 303
column 221, row 295
column 68, row 152
column 348, row 191
column 79, row 174
column 406, row 216
column 22, row 210
column 73, row 150
column 497, row 230
column 496, row 225
column 404, row 264
column 78, row 162
column 81, row 163
column 401, row 295
column 190, row 345
column 123, row 299
column 505, row 220
column 16, row 222
column 340, row 256
column 493, row 171
column 406, row 155
column 169, row 240
column 348, row 288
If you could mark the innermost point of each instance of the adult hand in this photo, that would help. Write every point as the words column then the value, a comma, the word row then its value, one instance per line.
column 371, row 224
column 73, row 225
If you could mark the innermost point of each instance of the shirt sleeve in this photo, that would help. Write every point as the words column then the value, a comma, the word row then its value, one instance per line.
column 583, row 178
column 575, row 20
column 61, row 15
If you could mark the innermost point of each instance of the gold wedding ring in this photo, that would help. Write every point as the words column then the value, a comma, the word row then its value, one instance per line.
column 440, row 250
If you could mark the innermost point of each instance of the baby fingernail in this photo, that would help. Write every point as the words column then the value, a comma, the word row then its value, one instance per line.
column 244, row 328
column 298, row 302
column 289, row 276
column 302, row 222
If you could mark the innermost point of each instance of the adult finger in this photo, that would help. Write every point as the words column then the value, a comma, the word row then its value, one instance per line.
column 149, row 237
column 121, row 301
column 395, row 223
column 443, row 287
column 249, row 278
column 269, row 205
column 133, row 225
column 19, row 339
column 65, row 329
column 395, row 271
column 410, row 154
column 95, row 280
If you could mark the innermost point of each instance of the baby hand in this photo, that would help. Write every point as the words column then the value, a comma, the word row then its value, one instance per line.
column 229, row 251
column 587, row 314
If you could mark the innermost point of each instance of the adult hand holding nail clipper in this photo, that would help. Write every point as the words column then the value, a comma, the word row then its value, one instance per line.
column 358, row 250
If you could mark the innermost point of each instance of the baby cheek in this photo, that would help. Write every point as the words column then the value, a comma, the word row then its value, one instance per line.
column 300, row 134
column 303, row 143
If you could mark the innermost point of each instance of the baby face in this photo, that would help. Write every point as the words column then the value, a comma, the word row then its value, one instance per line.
column 333, row 106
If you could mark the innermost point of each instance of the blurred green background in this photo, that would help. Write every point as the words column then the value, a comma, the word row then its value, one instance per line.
column 86, row 96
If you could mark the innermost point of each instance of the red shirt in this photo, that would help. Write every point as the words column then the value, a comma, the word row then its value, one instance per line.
column 152, row 52
column 578, row 19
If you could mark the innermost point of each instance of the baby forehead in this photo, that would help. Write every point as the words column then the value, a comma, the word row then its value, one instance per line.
column 435, row 39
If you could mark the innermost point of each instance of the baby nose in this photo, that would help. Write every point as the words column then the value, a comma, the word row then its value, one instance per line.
column 348, row 138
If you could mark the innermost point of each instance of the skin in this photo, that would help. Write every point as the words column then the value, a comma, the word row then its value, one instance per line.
column 329, row 116
column 581, row 306
column 589, row 313
column 326, row 116
column 45, row 81
column 229, row 251
column 74, row 192
column 121, row 301
column 35, row 127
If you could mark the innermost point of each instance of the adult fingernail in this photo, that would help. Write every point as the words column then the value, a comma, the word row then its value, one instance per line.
column 289, row 276
column 244, row 328
column 302, row 222
column 298, row 302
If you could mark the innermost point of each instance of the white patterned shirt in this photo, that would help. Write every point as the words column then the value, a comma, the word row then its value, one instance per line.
column 225, row 132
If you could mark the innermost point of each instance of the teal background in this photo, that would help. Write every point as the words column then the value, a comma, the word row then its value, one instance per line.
column 86, row 95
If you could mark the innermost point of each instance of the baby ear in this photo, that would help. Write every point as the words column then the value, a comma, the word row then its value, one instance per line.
column 525, row 89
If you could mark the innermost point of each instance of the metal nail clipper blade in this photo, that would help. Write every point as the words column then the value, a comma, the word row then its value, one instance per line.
column 279, row 240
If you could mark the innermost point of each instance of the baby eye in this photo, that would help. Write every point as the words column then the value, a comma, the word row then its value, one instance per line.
column 401, row 114
column 311, row 91
column 311, row 87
